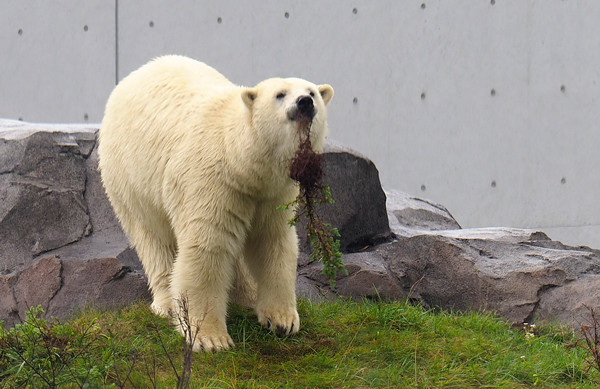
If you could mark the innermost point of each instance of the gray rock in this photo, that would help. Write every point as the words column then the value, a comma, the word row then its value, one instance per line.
column 38, row 284
column 368, row 276
column 42, row 185
column 98, row 282
column 62, row 287
column 306, row 288
column 510, row 273
column 9, row 311
column 359, row 211
column 413, row 213
column 101, row 213
column 51, row 200
column 521, row 275
column 571, row 303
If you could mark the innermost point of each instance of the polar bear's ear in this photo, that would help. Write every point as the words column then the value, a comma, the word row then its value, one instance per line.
column 326, row 92
column 249, row 95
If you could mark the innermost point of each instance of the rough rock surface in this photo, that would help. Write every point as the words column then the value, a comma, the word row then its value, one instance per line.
column 61, row 245
column 359, row 211
column 42, row 186
column 408, row 214
column 521, row 275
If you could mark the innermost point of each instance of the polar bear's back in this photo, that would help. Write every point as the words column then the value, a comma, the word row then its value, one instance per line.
column 162, row 87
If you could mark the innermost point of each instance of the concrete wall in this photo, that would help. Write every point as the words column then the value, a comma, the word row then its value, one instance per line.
column 488, row 107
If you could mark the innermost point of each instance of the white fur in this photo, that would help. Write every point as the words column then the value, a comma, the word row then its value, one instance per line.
column 195, row 168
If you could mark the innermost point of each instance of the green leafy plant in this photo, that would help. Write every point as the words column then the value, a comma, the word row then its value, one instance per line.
column 324, row 240
column 40, row 353
column 307, row 169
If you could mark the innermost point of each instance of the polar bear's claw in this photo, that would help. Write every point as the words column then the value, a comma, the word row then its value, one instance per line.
column 213, row 343
column 282, row 323
column 282, row 331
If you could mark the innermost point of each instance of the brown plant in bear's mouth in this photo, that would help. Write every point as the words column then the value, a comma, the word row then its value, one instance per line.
column 307, row 166
column 307, row 169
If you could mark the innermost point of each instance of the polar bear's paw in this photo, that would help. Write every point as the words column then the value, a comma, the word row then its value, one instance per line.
column 160, row 310
column 212, row 342
column 283, row 322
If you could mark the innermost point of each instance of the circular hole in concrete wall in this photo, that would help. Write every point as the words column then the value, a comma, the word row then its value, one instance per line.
column 219, row 20
column 85, row 117
column 20, row 32
column 493, row 92
column 354, row 11
column 423, row 188
column 355, row 100
column 563, row 88
column 423, row 95
column 151, row 24
column 493, row 183
column 286, row 15
column 563, row 180
column 423, row 6
column 85, row 28
column 492, row 2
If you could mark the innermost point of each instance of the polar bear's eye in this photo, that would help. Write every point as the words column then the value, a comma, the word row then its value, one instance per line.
column 312, row 94
column 280, row 95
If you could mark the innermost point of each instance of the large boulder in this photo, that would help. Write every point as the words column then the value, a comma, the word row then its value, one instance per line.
column 359, row 209
column 61, row 245
column 408, row 214
column 42, row 186
column 521, row 275
column 510, row 272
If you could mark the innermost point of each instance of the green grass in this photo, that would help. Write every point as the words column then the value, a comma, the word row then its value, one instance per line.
column 341, row 345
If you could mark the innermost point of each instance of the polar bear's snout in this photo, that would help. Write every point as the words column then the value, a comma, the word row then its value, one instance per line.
column 304, row 106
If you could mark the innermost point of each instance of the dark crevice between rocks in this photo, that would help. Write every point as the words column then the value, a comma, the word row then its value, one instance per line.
column 543, row 289
column 555, row 245
column 89, row 228
column 119, row 274
column 87, row 146
column 369, row 243
column 62, row 281
column 478, row 250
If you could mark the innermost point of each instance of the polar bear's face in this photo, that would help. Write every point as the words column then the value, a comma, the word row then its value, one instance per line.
column 276, row 105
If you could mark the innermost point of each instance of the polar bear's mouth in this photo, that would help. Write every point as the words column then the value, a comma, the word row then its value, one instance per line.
column 304, row 108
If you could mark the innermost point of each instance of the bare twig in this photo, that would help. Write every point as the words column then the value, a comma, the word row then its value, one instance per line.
column 121, row 381
column 592, row 338
column 151, row 373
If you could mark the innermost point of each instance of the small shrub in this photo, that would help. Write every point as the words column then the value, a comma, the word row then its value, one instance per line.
column 49, row 354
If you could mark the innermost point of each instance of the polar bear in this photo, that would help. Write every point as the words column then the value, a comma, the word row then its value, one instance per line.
column 195, row 168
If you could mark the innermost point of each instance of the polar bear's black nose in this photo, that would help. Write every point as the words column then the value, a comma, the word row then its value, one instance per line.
column 306, row 106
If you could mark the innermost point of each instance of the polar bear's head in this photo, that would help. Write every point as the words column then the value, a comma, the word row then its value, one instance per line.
column 276, row 104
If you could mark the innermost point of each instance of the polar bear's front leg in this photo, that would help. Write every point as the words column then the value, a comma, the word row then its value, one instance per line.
column 204, row 275
column 271, row 253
